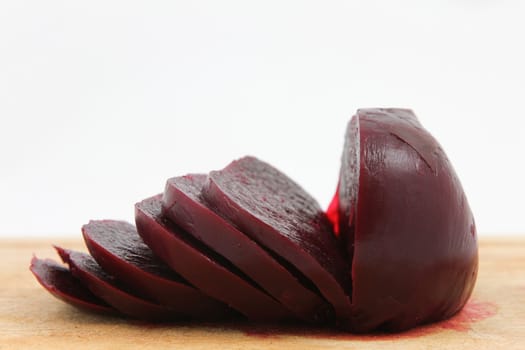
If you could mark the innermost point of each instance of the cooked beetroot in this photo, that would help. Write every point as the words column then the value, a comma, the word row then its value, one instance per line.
column 183, row 205
column 59, row 281
column 397, row 247
column 277, row 213
column 406, row 222
column 202, row 267
column 86, row 269
column 119, row 250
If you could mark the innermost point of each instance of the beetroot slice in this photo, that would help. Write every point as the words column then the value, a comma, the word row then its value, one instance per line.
column 347, row 188
column 119, row 250
column 59, row 281
column 183, row 205
column 86, row 269
column 406, row 222
column 202, row 267
column 278, row 214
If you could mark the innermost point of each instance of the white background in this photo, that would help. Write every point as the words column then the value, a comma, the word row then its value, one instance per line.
column 102, row 101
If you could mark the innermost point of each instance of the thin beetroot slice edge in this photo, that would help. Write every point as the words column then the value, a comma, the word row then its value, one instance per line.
column 202, row 267
column 277, row 213
column 119, row 250
column 182, row 204
column 60, row 283
column 86, row 269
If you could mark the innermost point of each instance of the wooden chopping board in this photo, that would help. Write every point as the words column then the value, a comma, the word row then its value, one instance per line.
column 30, row 318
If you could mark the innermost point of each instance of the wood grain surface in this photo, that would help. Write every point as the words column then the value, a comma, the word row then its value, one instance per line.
column 30, row 318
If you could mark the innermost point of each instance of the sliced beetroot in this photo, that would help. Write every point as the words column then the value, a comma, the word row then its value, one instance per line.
column 277, row 213
column 406, row 222
column 119, row 250
column 86, row 269
column 59, row 281
column 202, row 267
column 347, row 188
column 183, row 205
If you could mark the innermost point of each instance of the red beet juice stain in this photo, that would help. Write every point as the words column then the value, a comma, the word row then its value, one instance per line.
column 474, row 311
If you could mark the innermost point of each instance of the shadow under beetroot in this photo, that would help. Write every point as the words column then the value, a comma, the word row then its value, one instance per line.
column 474, row 311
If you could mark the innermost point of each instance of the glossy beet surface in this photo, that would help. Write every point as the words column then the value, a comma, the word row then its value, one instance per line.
column 396, row 248
column 406, row 222
column 59, row 281
column 85, row 268
column 277, row 213
column 202, row 267
column 182, row 204
column 119, row 250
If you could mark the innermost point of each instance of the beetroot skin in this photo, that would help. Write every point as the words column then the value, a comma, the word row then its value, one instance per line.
column 406, row 222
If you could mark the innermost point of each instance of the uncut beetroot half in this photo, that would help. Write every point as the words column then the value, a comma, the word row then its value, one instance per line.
column 404, row 219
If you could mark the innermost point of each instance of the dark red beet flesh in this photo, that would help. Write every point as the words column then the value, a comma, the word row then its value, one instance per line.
column 59, row 281
column 183, row 205
column 86, row 269
column 406, row 222
column 202, row 267
column 333, row 212
column 119, row 250
column 397, row 247
column 278, row 214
